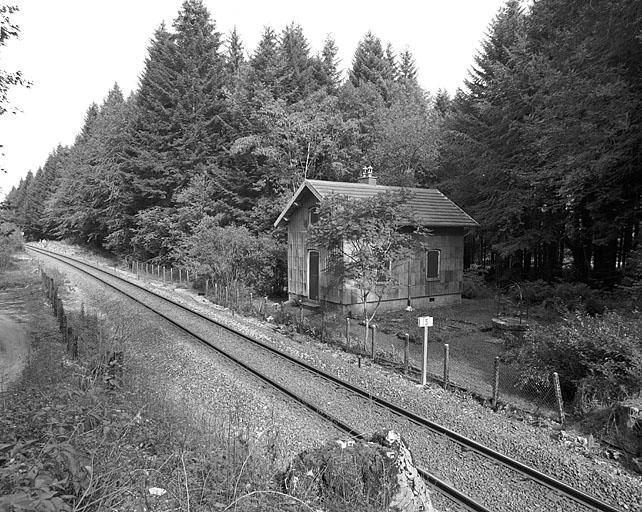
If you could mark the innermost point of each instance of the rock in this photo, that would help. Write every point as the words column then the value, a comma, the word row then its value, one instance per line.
column 626, row 427
column 379, row 473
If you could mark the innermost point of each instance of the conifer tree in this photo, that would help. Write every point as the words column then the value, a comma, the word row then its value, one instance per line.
column 234, row 56
column 407, row 67
column 331, row 63
column 371, row 65
column 264, row 62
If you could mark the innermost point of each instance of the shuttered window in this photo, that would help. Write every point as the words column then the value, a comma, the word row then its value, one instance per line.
column 313, row 215
column 432, row 264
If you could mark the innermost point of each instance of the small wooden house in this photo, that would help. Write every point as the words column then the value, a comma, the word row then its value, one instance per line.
column 431, row 277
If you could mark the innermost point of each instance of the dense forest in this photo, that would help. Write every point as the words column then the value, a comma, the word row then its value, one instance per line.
column 542, row 145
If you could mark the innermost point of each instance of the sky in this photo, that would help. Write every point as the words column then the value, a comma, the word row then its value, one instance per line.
column 73, row 51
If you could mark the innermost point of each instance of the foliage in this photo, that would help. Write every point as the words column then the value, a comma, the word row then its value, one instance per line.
column 10, row 242
column 599, row 359
column 8, row 79
column 232, row 255
column 365, row 240
column 560, row 296
column 538, row 148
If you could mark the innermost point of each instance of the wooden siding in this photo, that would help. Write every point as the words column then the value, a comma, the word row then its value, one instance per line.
column 449, row 241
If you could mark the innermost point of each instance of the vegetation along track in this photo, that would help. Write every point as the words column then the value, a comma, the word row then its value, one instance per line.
column 495, row 480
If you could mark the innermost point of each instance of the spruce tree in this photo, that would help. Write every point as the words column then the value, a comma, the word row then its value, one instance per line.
column 264, row 62
column 407, row 67
column 234, row 56
column 331, row 63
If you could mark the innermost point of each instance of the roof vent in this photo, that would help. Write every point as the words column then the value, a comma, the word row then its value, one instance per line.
column 366, row 176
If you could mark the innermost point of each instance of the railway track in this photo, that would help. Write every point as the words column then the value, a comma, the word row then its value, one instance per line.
column 544, row 491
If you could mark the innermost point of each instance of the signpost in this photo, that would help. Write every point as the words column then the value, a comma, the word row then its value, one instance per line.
column 425, row 322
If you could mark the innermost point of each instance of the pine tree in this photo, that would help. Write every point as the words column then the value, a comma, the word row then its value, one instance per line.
column 370, row 65
column 264, row 62
column 407, row 67
column 234, row 57
column 179, row 127
column 331, row 63
column 295, row 69
column 392, row 69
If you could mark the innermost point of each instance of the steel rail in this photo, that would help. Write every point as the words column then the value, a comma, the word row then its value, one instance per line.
column 552, row 483
column 449, row 491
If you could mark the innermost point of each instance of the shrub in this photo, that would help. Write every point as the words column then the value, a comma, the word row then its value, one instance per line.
column 11, row 241
column 599, row 359
column 232, row 255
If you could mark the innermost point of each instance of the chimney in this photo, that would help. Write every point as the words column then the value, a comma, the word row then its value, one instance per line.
column 366, row 176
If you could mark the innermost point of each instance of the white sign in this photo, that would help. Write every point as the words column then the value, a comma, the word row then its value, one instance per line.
column 425, row 321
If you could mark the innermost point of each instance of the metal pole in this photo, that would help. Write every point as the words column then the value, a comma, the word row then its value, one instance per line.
column 446, row 364
column 372, row 341
column 424, row 365
column 558, row 395
column 348, row 332
column 496, row 383
column 406, row 353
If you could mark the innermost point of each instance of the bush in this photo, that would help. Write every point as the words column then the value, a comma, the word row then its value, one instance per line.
column 562, row 296
column 599, row 359
column 11, row 241
column 233, row 256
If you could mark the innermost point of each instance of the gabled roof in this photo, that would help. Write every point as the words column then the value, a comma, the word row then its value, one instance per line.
column 429, row 206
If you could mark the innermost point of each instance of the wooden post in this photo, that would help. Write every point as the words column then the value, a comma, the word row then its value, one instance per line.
column 348, row 332
column 446, row 364
column 252, row 302
column 227, row 294
column 180, row 276
column 207, row 287
column 373, row 327
column 146, row 268
column 187, row 276
column 406, row 353
column 496, row 383
column 424, row 364
column 216, row 291
column 163, row 274
column 558, row 395
column 171, row 274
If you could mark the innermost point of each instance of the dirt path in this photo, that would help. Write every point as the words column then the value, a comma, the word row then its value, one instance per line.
column 14, row 350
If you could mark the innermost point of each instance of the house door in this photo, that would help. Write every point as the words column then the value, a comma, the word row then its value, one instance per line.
column 313, row 275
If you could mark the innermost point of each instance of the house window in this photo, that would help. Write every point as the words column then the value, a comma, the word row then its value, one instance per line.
column 313, row 215
column 432, row 264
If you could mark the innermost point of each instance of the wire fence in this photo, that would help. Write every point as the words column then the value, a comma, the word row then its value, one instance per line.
column 467, row 365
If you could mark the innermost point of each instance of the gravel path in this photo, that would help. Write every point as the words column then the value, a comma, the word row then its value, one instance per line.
column 462, row 468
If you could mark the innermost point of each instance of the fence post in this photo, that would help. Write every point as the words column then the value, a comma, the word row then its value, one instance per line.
column 424, row 364
column 496, row 383
column 373, row 327
column 171, row 274
column 446, row 364
column 180, row 276
column 406, row 353
column 163, row 274
column 348, row 332
column 207, row 287
column 187, row 276
column 251, row 303
column 558, row 395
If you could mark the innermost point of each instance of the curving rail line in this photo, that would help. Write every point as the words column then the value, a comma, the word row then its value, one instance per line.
column 556, row 485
